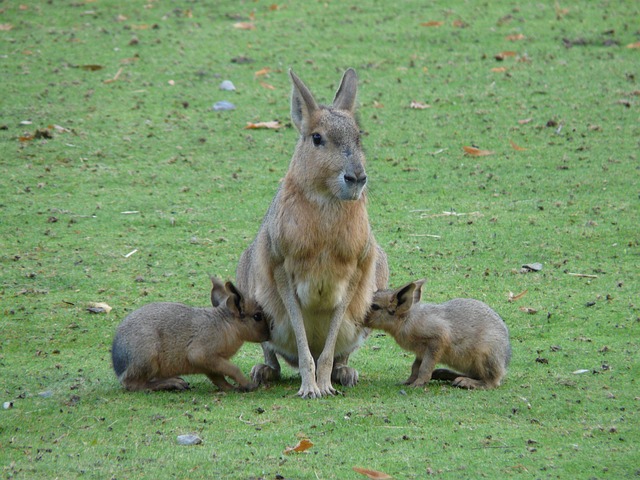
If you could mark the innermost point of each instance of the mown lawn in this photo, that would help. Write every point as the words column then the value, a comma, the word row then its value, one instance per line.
column 120, row 184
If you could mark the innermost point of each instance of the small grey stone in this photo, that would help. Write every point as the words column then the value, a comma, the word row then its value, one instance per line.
column 533, row 267
column 189, row 439
column 223, row 105
column 228, row 86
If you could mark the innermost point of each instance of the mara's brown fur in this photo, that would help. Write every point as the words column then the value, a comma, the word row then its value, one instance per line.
column 314, row 263
column 463, row 333
column 159, row 341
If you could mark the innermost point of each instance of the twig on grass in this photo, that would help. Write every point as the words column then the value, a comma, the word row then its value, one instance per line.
column 424, row 235
column 451, row 214
column 582, row 275
column 253, row 424
column 115, row 78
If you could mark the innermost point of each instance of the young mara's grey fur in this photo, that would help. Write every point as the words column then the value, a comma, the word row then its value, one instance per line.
column 158, row 342
column 463, row 333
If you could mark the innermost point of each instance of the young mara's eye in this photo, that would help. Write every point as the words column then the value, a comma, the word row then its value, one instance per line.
column 375, row 307
column 317, row 139
column 258, row 317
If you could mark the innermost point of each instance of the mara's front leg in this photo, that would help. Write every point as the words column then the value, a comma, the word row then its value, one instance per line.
column 415, row 369
column 325, row 361
column 221, row 367
column 430, row 358
column 306, row 365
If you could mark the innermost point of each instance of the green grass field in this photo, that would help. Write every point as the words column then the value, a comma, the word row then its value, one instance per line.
column 120, row 184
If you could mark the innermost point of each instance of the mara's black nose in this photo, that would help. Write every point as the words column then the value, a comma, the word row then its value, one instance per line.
column 355, row 180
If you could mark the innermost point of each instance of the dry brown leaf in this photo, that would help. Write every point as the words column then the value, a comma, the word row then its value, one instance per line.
column 91, row 68
column 516, row 147
column 634, row 45
column 262, row 72
column 273, row 7
column 419, row 105
column 58, row 128
column 524, row 121
column 476, row 152
column 275, row 124
column 460, row 24
column 303, row 445
column 373, row 474
column 560, row 12
column 5, row 27
column 529, row 310
column 515, row 298
column 432, row 23
column 505, row 54
column 499, row 69
column 99, row 307
column 515, row 37
column 244, row 26
column 377, row 104
column 268, row 86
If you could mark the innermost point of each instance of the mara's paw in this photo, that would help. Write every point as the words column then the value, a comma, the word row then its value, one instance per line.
column 175, row 383
column 418, row 383
column 408, row 381
column 345, row 376
column 249, row 387
column 468, row 383
column 262, row 373
column 310, row 391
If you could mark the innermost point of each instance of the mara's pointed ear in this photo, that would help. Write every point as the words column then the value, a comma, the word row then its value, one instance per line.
column 346, row 95
column 404, row 298
column 234, row 300
column 417, row 293
column 218, row 292
column 302, row 103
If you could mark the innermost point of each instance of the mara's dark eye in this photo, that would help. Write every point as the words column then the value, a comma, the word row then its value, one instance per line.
column 258, row 317
column 375, row 307
column 317, row 139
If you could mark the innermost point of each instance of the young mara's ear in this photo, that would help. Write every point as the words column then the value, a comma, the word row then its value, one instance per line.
column 234, row 300
column 302, row 103
column 417, row 293
column 346, row 95
column 404, row 298
column 218, row 292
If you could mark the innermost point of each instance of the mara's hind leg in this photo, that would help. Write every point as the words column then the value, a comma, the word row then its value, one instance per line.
column 174, row 383
column 268, row 371
column 469, row 383
column 342, row 373
column 457, row 379
column 487, row 373
column 445, row 375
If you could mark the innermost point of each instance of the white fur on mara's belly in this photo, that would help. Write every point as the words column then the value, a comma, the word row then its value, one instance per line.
column 317, row 295
column 316, row 323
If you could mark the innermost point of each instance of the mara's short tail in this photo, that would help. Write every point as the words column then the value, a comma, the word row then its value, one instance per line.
column 119, row 357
